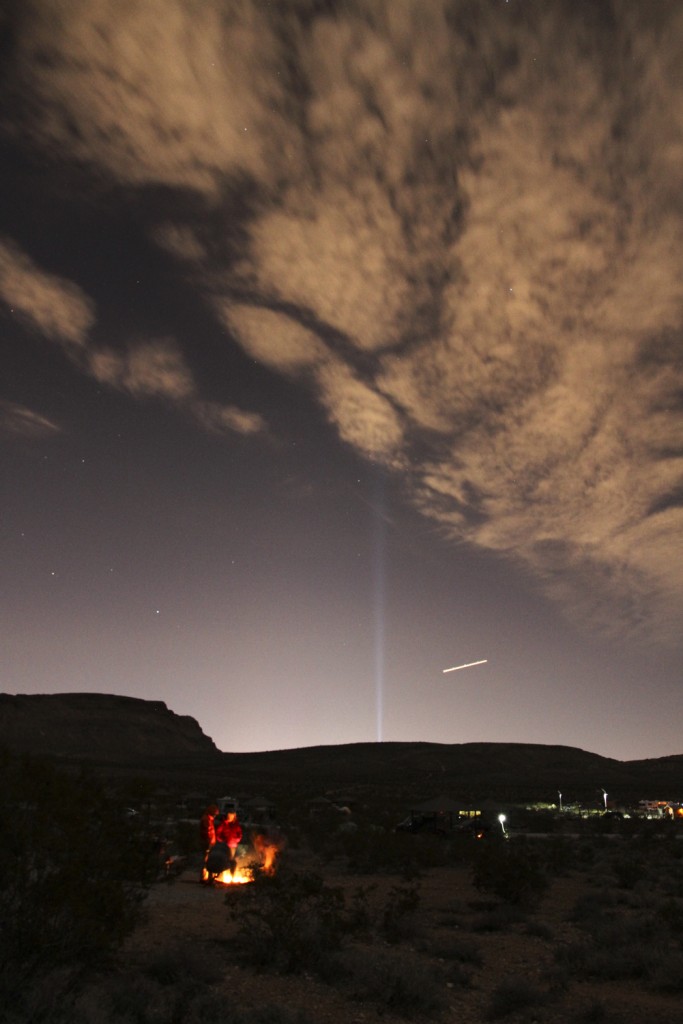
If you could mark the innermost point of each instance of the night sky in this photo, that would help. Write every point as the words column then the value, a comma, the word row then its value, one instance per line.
column 341, row 344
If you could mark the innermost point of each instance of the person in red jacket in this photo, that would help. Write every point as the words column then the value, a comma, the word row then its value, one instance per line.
column 229, row 831
column 207, row 832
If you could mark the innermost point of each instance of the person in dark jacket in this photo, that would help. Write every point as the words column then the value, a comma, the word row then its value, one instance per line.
column 207, row 833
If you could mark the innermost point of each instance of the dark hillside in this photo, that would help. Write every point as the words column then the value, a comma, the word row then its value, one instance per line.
column 98, row 727
column 125, row 737
column 506, row 771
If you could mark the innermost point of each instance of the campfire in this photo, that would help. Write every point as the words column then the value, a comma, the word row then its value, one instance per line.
column 242, row 871
column 240, row 876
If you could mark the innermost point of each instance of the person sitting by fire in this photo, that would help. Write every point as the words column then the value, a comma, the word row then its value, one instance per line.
column 207, row 832
column 229, row 831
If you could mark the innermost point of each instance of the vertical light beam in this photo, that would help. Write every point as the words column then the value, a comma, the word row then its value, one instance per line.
column 379, row 602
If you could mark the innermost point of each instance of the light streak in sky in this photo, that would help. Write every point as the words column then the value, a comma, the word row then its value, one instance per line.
column 469, row 664
column 379, row 604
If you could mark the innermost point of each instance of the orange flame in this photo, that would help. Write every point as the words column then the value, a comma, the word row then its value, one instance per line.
column 266, row 850
column 240, row 876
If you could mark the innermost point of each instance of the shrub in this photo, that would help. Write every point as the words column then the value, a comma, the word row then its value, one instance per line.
column 590, row 961
column 513, row 873
column 361, row 918
column 270, row 1013
column 559, row 854
column 47, row 1000
column 666, row 973
column 450, row 919
column 671, row 914
column 512, row 994
column 370, row 850
column 592, row 907
column 138, row 1000
column 497, row 919
column 183, row 965
column 135, row 998
column 540, row 930
column 400, row 913
column 396, row 980
column 628, row 871
column 290, row 923
column 616, row 953
column 592, row 1014
column 454, row 949
column 73, row 871
column 585, row 854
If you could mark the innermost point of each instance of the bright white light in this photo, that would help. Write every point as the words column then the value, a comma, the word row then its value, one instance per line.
column 469, row 664
column 501, row 818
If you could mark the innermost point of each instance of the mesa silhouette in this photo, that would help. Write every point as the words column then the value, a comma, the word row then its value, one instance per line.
column 126, row 735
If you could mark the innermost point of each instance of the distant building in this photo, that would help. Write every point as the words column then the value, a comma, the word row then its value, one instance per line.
column 660, row 809
column 441, row 815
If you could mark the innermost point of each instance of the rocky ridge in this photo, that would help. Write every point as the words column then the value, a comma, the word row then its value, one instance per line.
column 98, row 726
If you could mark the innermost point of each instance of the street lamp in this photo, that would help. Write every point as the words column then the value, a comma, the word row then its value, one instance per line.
column 604, row 796
column 560, row 796
column 501, row 819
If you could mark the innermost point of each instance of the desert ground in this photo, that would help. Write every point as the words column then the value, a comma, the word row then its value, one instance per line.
column 602, row 942
column 579, row 920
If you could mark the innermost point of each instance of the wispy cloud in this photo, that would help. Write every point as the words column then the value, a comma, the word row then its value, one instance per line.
column 465, row 239
column 19, row 421
column 221, row 418
column 157, row 369
column 60, row 311
column 56, row 307
column 152, row 368
column 161, row 93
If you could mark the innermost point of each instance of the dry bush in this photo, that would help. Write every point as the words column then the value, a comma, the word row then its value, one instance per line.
column 290, row 923
column 73, row 873
column 453, row 949
column 395, row 980
column 514, row 873
column 399, row 920
column 514, row 993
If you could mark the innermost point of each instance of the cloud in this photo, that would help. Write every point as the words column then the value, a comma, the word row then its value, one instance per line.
column 157, row 369
column 153, row 368
column 59, row 309
column 220, row 418
column 181, row 241
column 62, row 312
column 364, row 418
column 464, row 237
column 342, row 262
column 161, row 92
column 272, row 337
column 19, row 421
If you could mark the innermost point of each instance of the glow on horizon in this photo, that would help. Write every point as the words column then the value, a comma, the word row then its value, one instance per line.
column 470, row 664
